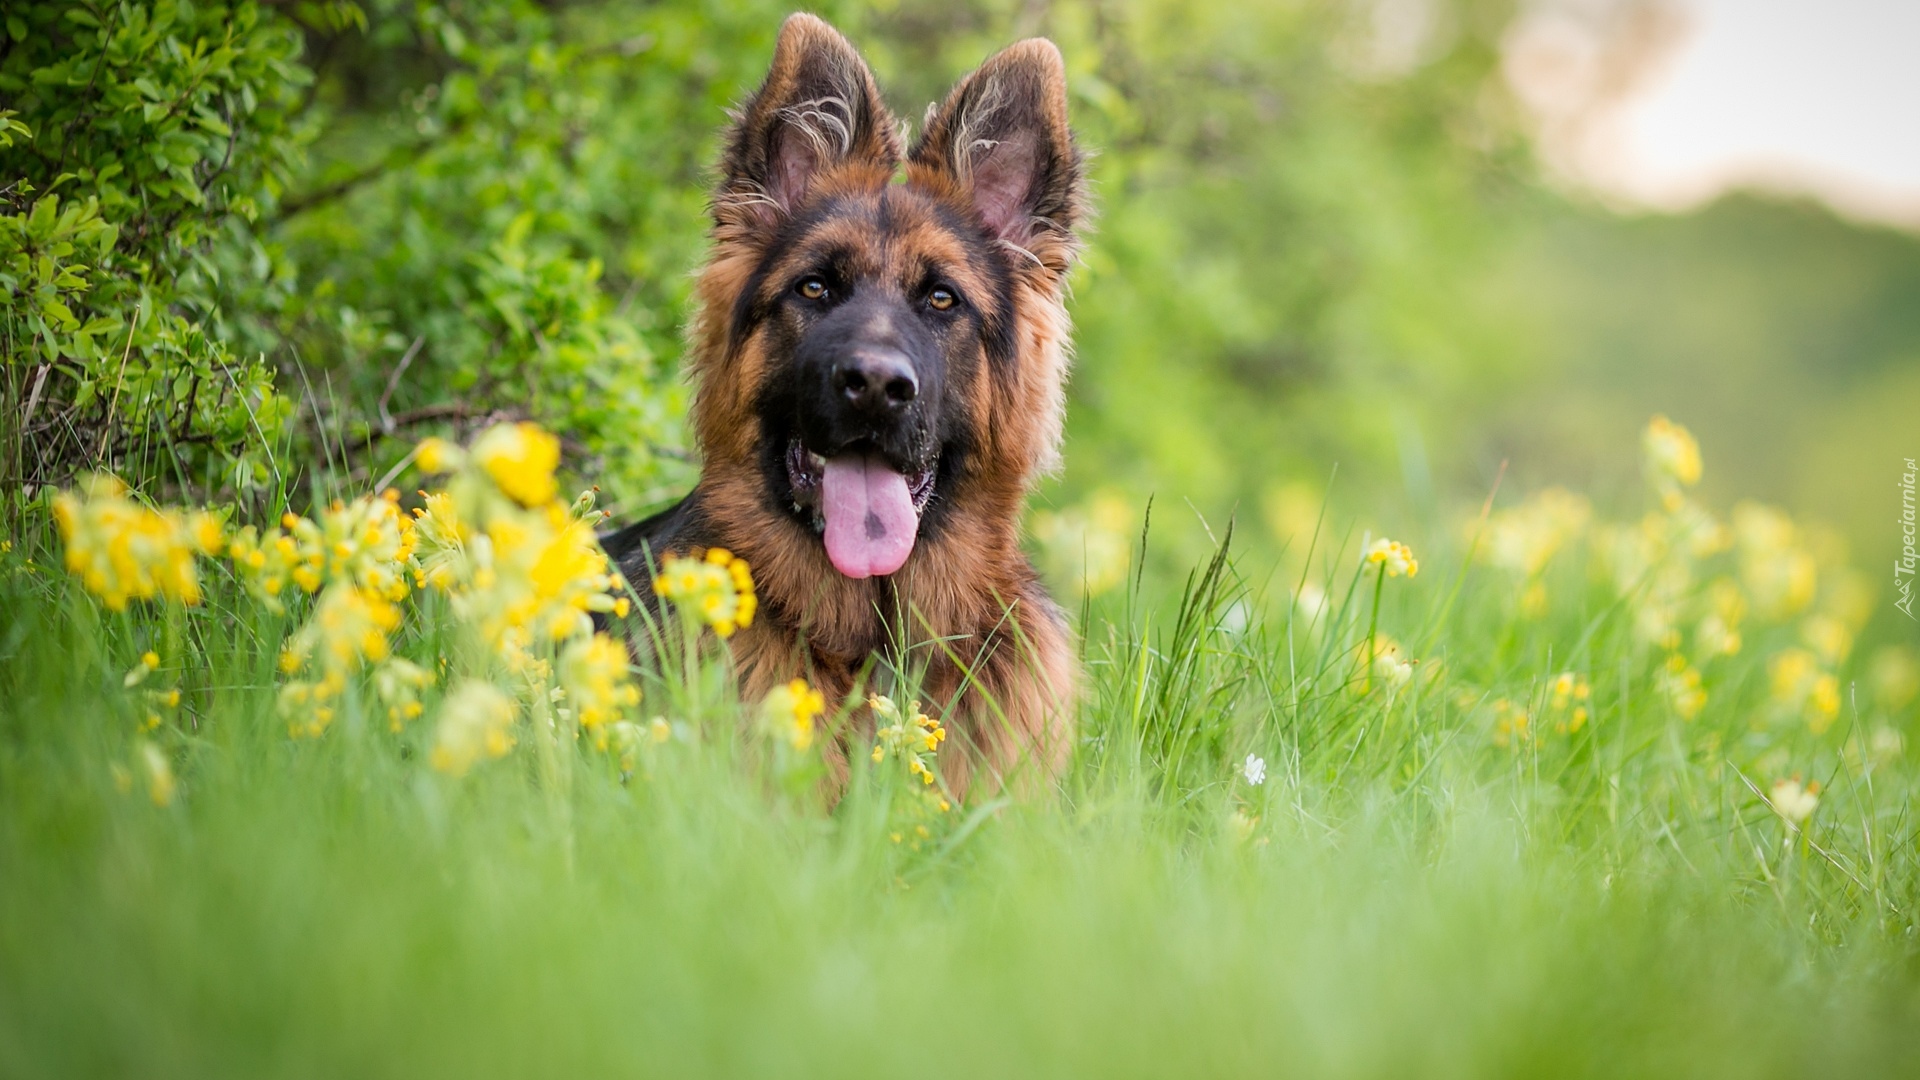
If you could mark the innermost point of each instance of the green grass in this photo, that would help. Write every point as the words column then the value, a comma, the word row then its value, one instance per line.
column 1411, row 898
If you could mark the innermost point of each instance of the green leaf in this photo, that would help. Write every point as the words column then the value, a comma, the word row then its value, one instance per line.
column 60, row 313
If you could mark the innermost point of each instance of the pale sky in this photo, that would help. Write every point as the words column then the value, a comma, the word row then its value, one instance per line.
column 1820, row 96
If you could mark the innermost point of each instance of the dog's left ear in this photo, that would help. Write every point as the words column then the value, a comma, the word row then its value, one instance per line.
column 1001, row 138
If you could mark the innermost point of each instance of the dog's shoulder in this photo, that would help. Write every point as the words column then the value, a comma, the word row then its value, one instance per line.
column 637, row 548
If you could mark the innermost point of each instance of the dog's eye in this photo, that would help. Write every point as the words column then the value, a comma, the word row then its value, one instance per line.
column 941, row 299
column 812, row 288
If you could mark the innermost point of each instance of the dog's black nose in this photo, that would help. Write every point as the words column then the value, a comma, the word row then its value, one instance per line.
column 877, row 382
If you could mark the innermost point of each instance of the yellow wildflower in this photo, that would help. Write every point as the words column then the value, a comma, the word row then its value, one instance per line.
column 435, row 455
column 149, row 663
column 1800, row 687
column 160, row 782
column 520, row 458
column 123, row 551
column 1395, row 556
column 440, row 550
column 1568, row 702
column 1779, row 575
column 398, row 683
column 790, row 711
column 625, row 739
column 1681, row 684
column 476, row 721
column 594, row 674
column 366, row 542
column 348, row 630
column 714, row 587
column 265, row 563
column 1512, row 724
column 905, row 738
column 1719, row 631
column 1823, row 703
column 1523, row 538
column 540, row 573
column 1390, row 663
column 1790, row 673
column 1673, row 459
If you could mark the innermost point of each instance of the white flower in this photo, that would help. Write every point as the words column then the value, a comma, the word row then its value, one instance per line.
column 1255, row 770
column 1793, row 802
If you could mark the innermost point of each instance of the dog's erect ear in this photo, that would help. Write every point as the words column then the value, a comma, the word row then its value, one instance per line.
column 1002, row 138
column 818, row 109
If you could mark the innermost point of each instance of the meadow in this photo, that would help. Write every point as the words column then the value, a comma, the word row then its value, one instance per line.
column 1451, row 709
column 1553, row 796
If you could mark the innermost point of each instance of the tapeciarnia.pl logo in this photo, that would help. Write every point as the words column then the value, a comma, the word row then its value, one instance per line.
column 1904, row 565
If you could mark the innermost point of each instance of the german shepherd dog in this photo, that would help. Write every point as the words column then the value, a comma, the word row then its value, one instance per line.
column 878, row 360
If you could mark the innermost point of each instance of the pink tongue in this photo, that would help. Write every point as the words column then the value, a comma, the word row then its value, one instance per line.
column 871, row 522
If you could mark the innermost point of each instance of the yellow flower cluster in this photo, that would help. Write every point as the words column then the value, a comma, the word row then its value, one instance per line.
column 356, row 556
column 441, row 551
column 1681, row 683
column 348, row 631
column 524, row 574
column 1718, row 633
column 155, row 699
column 520, row 459
column 1654, row 562
column 1780, row 574
column 121, row 550
column 155, row 768
column 527, row 574
column 912, row 740
column 366, row 543
column 1801, row 689
column 1564, row 710
column 1523, row 539
column 1673, row 460
column 1395, row 557
column 714, row 587
column 791, row 713
column 594, row 675
column 476, row 721
column 399, row 683
column 1390, row 663
column 1512, row 724
column 1568, row 702
column 539, row 576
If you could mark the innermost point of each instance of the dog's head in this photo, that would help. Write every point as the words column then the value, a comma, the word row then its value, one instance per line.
column 875, row 348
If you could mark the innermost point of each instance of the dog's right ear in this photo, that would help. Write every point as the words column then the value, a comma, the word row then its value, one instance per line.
column 818, row 109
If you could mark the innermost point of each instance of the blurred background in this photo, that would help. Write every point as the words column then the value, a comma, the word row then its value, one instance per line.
column 1430, row 242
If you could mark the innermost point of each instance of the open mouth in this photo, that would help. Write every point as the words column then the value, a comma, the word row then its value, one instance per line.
column 868, row 512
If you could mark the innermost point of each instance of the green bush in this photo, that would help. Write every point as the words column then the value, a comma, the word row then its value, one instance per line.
column 147, row 143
